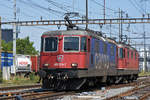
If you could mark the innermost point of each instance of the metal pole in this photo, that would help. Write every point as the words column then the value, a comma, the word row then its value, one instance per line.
column 145, row 61
column 119, row 27
column 104, row 10
column 86, row 14
column 0, row 47
column 110, row 30
column 14, row 38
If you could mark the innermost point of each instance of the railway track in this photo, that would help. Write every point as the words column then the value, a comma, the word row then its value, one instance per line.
column 28, row 92
column 15, row 90
column 140, row 85
column 19, row 87
column 36, row 96
column 141, row 91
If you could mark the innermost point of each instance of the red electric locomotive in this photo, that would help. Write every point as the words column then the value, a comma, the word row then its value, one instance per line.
column 72, row 59
column 64, row 54
column 128, row 60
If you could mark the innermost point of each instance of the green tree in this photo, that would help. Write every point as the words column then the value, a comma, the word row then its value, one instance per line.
column 7, row 46
column 23, row 46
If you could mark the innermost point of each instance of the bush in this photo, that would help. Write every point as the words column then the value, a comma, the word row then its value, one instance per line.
column 32, row 77
column 144, row 74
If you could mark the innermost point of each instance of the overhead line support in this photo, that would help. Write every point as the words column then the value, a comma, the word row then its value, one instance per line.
column 81, row 22
column 14, row 37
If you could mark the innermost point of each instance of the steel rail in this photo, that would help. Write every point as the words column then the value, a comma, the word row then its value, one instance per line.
column 130, row 92
column 35, row 96
column 19, row 87
column 145, row 96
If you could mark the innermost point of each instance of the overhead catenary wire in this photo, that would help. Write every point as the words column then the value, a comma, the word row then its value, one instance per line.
column 58, row 5
column 139, row 5
column 45, row 8
column 137, row 8
column 25, row 14
column 30, row 7
column 103, row 6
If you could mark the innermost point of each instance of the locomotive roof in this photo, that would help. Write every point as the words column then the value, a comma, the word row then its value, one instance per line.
column 68, row 32
column 126, row 46
column 76, row 32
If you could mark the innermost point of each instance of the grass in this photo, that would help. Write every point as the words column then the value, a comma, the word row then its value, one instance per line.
column 144, row 74
column 20, row 80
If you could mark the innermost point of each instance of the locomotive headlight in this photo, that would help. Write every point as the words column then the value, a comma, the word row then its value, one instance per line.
column 74, row 65
column 46, row 65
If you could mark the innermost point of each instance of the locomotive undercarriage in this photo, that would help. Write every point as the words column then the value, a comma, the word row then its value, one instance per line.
column 67, row 84
column 62, row 79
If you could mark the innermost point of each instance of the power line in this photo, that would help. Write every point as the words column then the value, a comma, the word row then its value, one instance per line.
column 57, row 5
column 139, row 6
column 46, row 9
column 135, row 6
column 20, row 11
column 34, row 5
column 28, row 4
column 103, row 5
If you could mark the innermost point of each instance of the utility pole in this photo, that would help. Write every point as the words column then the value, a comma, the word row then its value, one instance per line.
column 145, row 53
column 86, row 14
column 120, row 25
column 0, row 46
column 104, row 10
column 14, row 38
column 110, row 30
column 73, row 5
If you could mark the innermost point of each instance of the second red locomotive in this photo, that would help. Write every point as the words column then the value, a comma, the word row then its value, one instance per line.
column 71, row 59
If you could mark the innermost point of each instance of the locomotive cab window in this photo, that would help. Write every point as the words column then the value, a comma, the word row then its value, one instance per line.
column 120, row 52
column 71, row 43
column 83, row 44
column 51, row 44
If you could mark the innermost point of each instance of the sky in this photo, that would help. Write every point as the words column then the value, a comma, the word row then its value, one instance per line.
column 55, row 9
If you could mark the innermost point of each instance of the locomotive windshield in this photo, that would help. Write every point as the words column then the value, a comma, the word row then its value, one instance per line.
column 51, row 43
column 71, row 43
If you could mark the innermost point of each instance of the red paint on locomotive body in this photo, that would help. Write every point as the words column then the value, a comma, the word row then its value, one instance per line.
column 64, row 59
column 127, row 58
